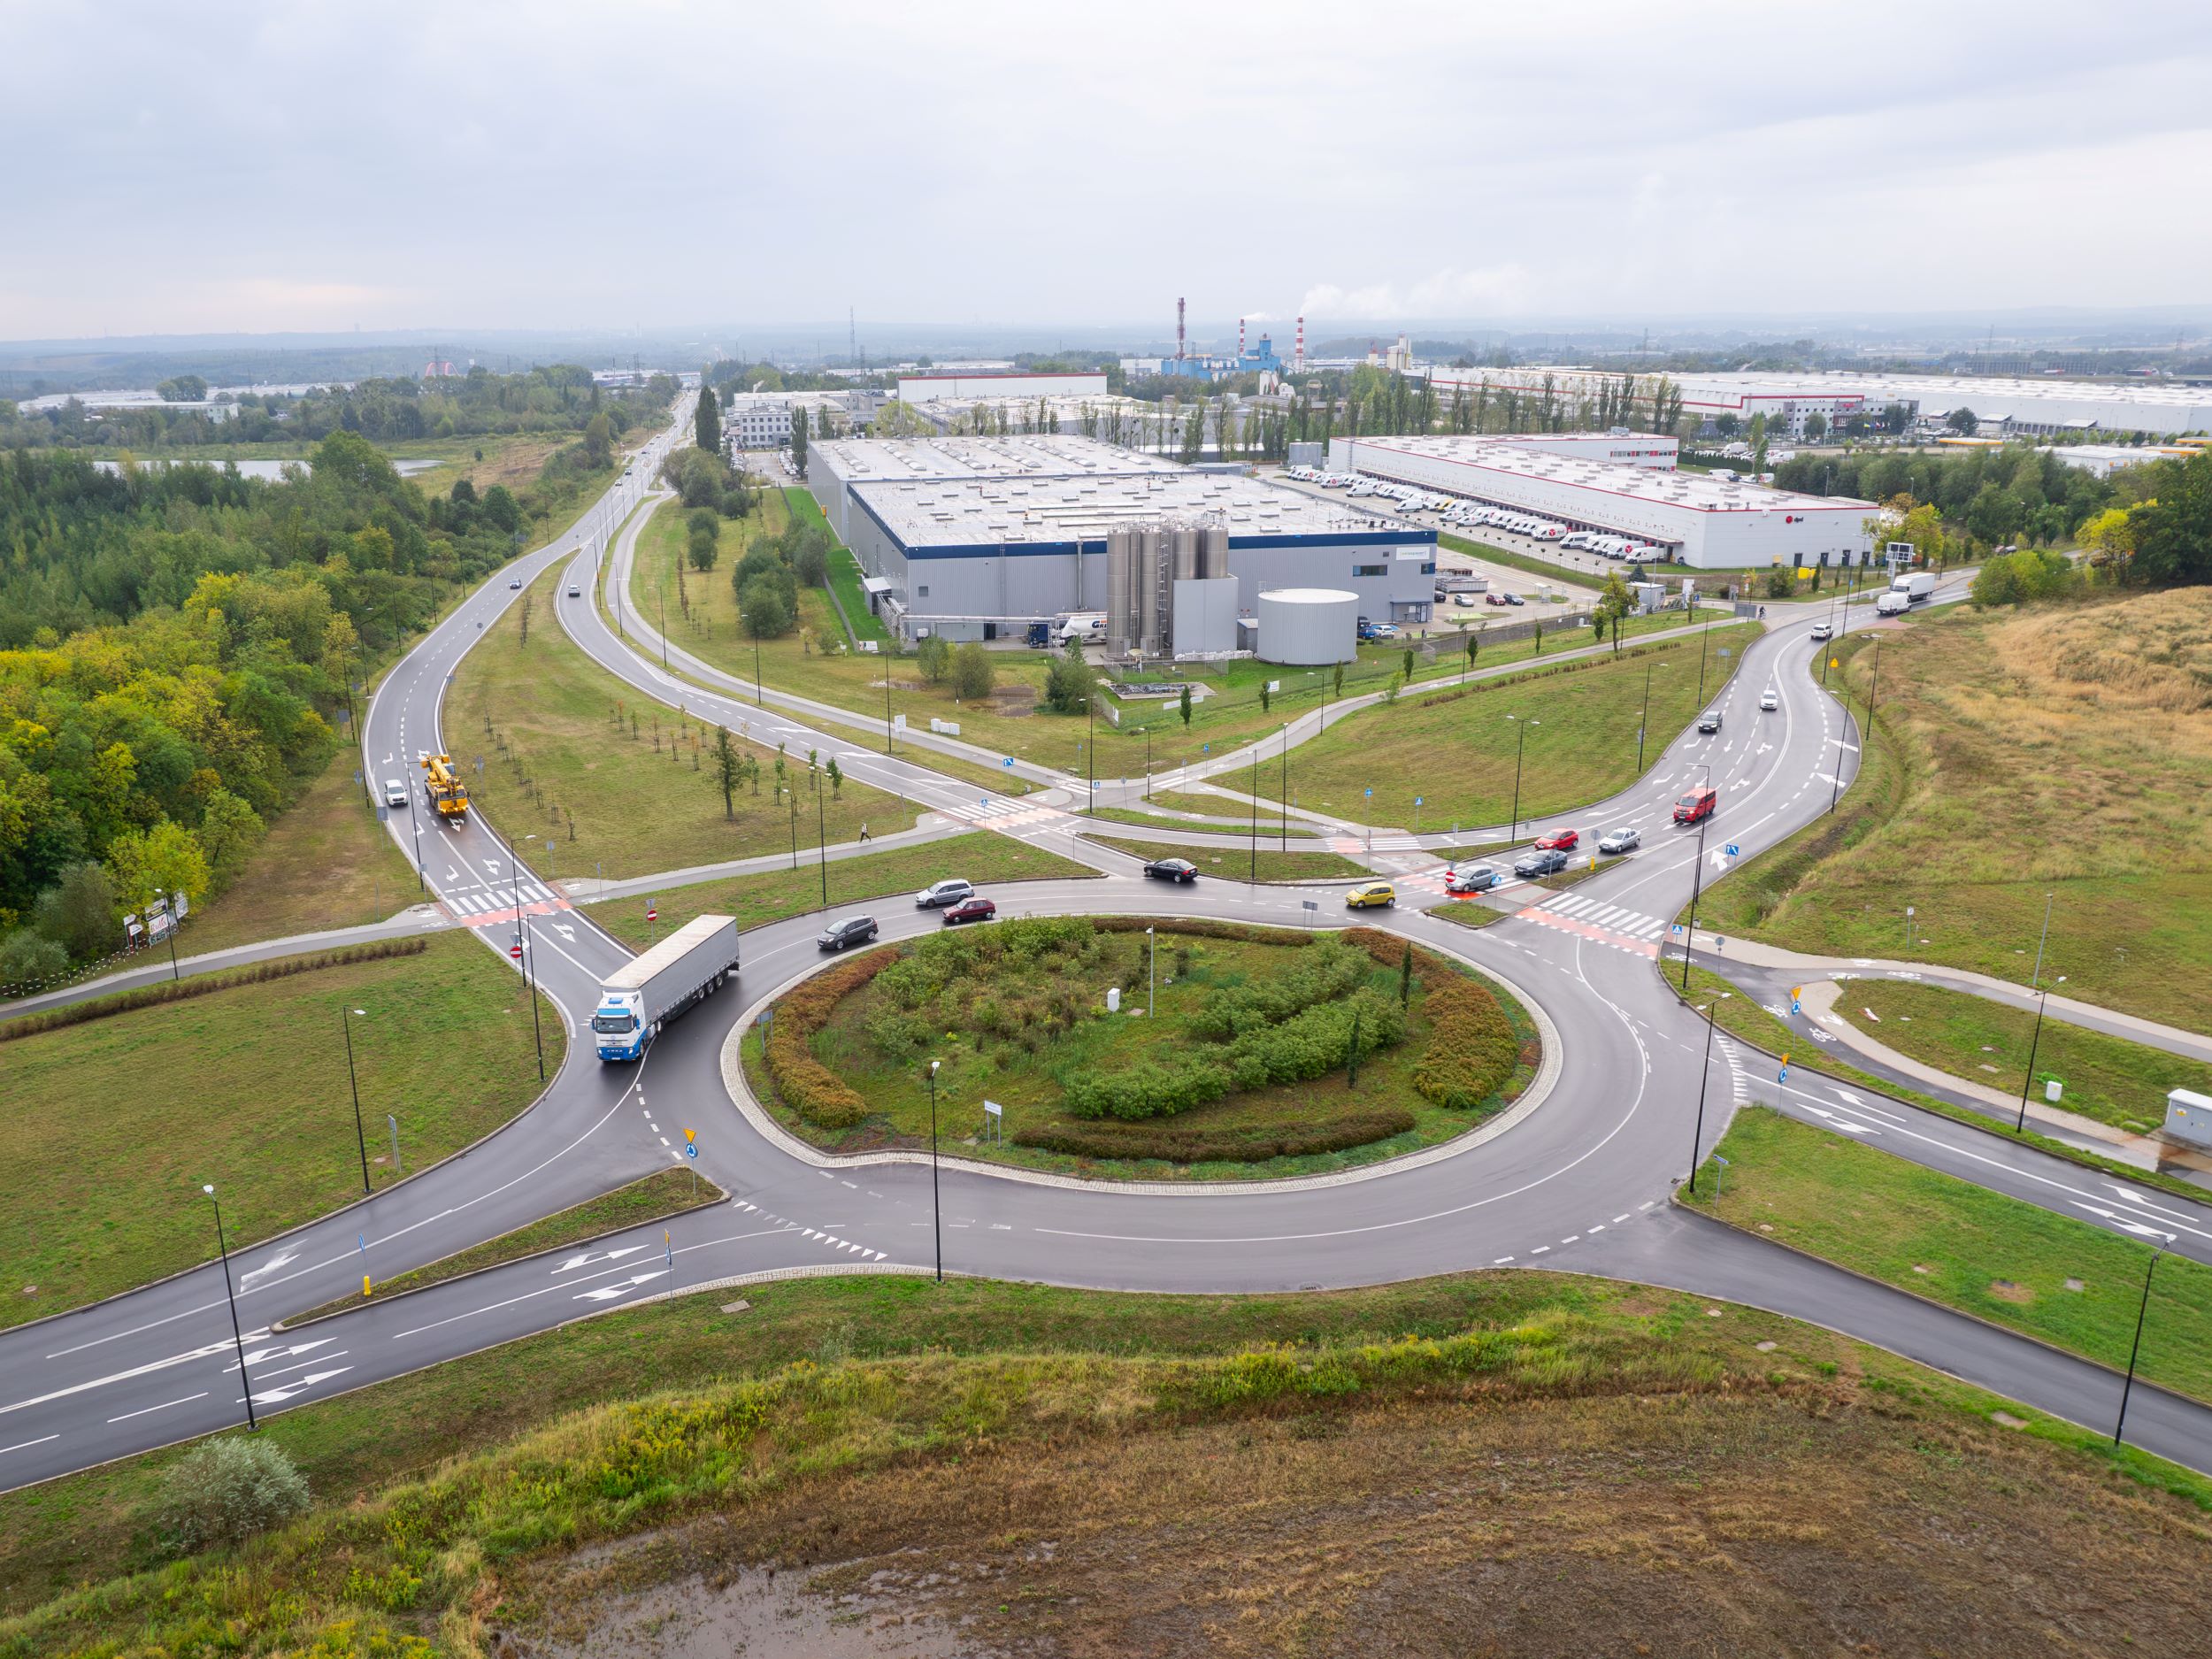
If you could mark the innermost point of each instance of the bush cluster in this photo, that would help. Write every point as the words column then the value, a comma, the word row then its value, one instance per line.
column 1471, row 1049
column 206, row 984
column 807, row 1086
column 1323, row 972
column 226, row 1490
column 1202, row 1145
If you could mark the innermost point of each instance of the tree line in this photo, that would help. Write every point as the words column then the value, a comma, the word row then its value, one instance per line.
column 177, row 647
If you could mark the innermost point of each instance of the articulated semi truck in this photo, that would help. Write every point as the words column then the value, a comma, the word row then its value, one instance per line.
column 649, row 990
column 448, row 793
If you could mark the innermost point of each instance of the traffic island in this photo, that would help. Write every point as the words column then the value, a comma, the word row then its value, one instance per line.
column 1203, row 1050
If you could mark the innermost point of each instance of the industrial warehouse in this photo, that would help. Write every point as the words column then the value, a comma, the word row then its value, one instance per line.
column 984, row 539
column 1705, row 521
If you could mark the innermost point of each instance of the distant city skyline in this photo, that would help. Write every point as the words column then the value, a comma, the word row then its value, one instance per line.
column 242, row 168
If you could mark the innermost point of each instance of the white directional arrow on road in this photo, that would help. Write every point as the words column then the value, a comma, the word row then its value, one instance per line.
column 2123, row 1223
column 270, row 1266
column 1719, row 858
column 588, row 1257
column 277, row 1396
column 254, row 1356
column 606, row 1292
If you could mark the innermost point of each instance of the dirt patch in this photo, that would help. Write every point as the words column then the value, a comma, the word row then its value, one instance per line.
column 2005, row 1290
column 1699, row 1524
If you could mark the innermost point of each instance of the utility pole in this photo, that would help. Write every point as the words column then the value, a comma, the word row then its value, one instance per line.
column 2028, row 1076
column 936, row 1226
column 1697, row 884
column 821, row 841
column 1704, row 1077
column 360, row 1140
column 1643, row 720
column 230, row 1296
column 2135, row 1348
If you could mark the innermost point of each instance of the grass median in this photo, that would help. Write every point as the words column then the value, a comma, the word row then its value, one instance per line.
column 617, row 784
column 113, row 1125
column 2069, row 1283
column 2109, row 1079
column 656, row 1197
column 775, row 895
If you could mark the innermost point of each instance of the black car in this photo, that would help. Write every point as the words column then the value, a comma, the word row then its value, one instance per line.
column 1709, row 722
column 1172, row 869
column 1549, row 862
column 854, row 930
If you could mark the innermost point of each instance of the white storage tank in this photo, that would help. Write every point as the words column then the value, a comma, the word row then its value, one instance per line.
column 1303, row 626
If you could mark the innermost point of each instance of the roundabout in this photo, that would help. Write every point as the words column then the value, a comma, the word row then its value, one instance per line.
column 1573, row 1169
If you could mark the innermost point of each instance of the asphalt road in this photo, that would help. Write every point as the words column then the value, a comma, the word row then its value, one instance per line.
column 1580, row 1182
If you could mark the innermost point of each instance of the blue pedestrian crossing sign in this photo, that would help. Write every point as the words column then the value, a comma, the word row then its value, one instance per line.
column 1416, row 799
column 1008, row 762
column 1733, row 850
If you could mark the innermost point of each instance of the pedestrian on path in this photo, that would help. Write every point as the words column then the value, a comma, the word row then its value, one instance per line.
column 863, row 831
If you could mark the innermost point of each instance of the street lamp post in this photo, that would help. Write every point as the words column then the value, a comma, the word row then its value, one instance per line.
column 1704, row 639
column 1519, row 743
column 1697, row 884
column 821, row 841
column 2027, row 1076
column 361, row 1141
column 1256, row 814
column 2135, row 1348
column 237, row 1337
column 1704, row 1077
column 1284, row 821
column 1090, row 808
column 1643, row 720
column 1151, row 969
column 529, row 965
column 936, row 1226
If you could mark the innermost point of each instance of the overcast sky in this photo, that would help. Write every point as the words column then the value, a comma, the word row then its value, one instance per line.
column 218, row 166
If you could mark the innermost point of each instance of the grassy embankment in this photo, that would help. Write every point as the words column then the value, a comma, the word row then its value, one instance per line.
column 1458, row 752
column 2069, row 1283
column 619, row 784
column 844, row 569
column 774, row 895
column 654, row 1197
column 1228, row 1454
column 2019, row 754
column 113, row 1125
column 1236, row 863
column 1017, row 1031
column 2115, row 1081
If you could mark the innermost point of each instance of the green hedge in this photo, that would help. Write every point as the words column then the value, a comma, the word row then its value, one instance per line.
column 1201, row 1146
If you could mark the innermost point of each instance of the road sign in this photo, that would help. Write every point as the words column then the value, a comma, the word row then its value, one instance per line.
column 691, row 1135
column 691, row 1150
column 1733, row 850
column 652, row 913
column 1008, row 763
column 1417, row 800
column 993, row 1107
column 515, row 950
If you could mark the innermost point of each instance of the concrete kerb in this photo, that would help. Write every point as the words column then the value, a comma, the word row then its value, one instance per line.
column 759, row 1119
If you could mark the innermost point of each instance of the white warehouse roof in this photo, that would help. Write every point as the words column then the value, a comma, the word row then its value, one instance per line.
column 865, row 460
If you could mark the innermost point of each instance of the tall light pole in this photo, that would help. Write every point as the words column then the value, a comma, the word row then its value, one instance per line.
column 529, row 956
column 1704, row 1077
column 346, row 1018
column 1286, row 803
column 886, row 705
column 2027, row 1076
column 1697, row 883
column 2135, row 1348
column 1704, row 639
column 1090, row 808
column 1256, row 814
column 936, row 1226
column 1519, row 743
column 821, row 839
column 237, row 1337
column 1643, row 720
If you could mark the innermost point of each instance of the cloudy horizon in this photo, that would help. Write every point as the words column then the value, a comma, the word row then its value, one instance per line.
column 239, row 168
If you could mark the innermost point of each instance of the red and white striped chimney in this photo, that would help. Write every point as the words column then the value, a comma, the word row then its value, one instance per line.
column 1240, row 336
column 1300, row 359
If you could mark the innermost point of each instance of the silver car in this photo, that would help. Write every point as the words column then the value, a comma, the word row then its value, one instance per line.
column 1620, row 840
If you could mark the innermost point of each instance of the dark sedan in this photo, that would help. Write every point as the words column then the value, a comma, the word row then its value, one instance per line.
column 970, row 911
column 1544, row 864
column 1172, row 869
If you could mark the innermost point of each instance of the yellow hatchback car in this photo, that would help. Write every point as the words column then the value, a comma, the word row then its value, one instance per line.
column 1368, row 893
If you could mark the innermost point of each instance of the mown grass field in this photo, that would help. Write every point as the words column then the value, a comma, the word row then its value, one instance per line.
column 1227, row 1455
column 1237, row 864
column 113, row 1125
column 1458, row 752
column 325, row 862
column 772, row 895
column 619, row 784
column 2109, row 1079
column 2019, row 754
column 2069, row 1283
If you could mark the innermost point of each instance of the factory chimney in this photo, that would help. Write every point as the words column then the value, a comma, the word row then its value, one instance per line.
column 1178, row 331
column 1299, row 359
column 1240, row 336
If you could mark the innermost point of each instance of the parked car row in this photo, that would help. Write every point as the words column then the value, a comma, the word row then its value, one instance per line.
column 1475, row 515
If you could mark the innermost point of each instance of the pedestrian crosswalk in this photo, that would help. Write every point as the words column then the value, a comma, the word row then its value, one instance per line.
column 999, row 813
column 479, row 904
column 1613, row 925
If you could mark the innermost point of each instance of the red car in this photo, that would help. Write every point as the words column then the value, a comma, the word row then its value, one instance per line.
column 970, row 911
column 1699, row 803
column 1560, row 840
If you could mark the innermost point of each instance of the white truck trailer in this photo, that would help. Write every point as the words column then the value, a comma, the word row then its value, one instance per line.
column 1916, row 585
column 650, row 989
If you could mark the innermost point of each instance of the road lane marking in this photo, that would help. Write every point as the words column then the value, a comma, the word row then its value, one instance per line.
column 164, row 1406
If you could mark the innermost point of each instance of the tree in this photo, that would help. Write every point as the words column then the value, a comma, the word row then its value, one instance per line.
column 1614, row 604
column 79, row 912
column 2110, row 537
column 1182, row 707
column 528, row 596
column 1816, row 426
column 182, row 388
column 1264, row 697
column 26, row 958
column 2173, row 530
column 971, row 672
column 166, row 856
column 798, row 440
column 706, row 422
column 1965, row 422
column 729, row 770
column 837, row 778
column 229, row 832
column 809, row 547
column 765, row 608
column 1405, row 976
column 1339, row 679
column 1068, row 681
column 599, row 441
column 933, row 658
column 1193, row 434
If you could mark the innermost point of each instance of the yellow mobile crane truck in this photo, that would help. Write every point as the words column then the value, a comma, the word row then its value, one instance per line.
column 446, row 791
